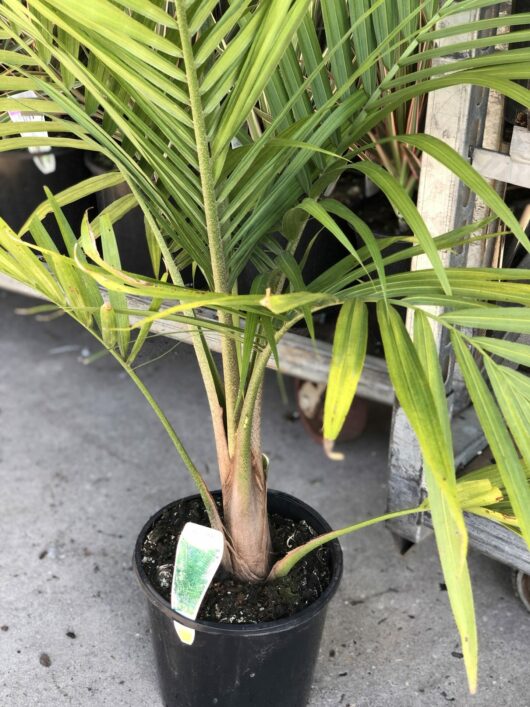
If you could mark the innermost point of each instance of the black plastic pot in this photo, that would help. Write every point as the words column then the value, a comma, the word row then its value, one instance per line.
column 252, row 665
column 23, row 188
column 130, row 229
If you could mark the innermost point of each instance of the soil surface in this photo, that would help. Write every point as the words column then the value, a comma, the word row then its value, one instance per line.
column 229, row 600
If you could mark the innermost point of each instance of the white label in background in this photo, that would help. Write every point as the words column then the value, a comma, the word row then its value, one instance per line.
column 198, row 555
column 45, row 163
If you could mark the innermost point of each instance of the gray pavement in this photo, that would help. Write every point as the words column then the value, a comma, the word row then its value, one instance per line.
column 83, row 463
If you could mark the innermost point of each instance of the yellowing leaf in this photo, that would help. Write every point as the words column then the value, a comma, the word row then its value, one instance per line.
column 347, row 360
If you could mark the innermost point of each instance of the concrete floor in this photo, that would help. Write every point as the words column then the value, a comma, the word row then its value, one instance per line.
column 84, row 463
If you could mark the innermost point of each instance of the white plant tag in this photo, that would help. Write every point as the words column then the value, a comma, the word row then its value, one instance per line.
column 45, row 163
column 198, row 555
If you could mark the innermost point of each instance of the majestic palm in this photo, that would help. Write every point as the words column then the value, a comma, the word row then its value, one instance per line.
column 231, row 121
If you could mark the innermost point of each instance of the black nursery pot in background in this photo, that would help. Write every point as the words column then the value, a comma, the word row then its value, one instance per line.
column 23, row 187
column 130, row 229
column 252, row 665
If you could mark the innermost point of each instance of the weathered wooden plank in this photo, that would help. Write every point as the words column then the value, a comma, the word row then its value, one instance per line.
column 496, row 542
column 7, row 283
column 513, row 168
column 406, row 487
column 499, row 543
column 468, row 437
column 495, row 165
column 489, row 252
column 299, row 356
column 458, row 116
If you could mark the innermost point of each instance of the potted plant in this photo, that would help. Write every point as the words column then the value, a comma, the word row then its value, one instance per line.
column 229, row 122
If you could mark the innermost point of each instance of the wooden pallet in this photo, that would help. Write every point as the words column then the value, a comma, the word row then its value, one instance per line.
column 299, row 356
column 471, row 121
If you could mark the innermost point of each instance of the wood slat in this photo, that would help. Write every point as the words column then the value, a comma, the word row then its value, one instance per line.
column 513, row 168
column 299, row 356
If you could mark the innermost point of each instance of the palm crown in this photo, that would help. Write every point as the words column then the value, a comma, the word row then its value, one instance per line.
column 230, row 122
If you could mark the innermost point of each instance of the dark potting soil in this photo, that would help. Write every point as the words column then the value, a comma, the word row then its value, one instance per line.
column 228, row 599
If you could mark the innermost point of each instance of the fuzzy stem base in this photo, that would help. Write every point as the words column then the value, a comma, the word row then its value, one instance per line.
column 245, row 514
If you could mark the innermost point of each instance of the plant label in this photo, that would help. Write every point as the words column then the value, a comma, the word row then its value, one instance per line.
column 45, row 163
column 198, row 555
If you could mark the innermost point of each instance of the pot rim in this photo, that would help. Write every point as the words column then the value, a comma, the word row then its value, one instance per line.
column 277, row 626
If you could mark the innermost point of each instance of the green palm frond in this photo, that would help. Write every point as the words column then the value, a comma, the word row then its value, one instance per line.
column 131, row 97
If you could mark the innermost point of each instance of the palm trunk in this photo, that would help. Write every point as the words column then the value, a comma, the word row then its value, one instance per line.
column 246, row 519
column 245, row 502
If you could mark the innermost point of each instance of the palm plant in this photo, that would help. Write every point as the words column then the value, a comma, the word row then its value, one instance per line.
column 230, row 121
